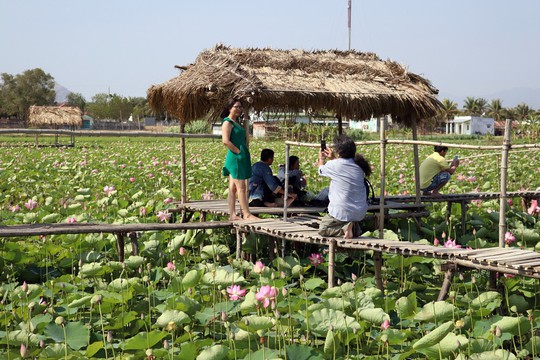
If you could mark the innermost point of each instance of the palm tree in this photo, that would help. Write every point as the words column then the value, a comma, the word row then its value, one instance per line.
column 522, row 111
column 481, row 105
column 449, row 109
column 495, row 109
column 470, row 105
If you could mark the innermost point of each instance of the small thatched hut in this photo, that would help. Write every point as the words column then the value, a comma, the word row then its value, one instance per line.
column 55, row 116
column 349, row 83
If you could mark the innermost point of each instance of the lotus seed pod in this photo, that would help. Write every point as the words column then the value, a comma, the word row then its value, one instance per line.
column 96, row 299
column 31, row 305
column 171, row 326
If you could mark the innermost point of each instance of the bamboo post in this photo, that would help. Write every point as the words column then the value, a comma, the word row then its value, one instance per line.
column 331, row 262
column 416, row 160
column 377, row 258
column 238, row 244
column 504, row 172
column 286, row 190
column 383, row 176
column 183, row 163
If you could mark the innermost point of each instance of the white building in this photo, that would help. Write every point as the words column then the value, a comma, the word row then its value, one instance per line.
column 470, row 125
column 371, row 125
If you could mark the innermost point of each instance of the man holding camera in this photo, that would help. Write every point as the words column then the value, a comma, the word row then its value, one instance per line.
column 435, row 171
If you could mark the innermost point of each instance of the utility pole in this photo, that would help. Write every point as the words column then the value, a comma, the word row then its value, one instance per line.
column 349, row 6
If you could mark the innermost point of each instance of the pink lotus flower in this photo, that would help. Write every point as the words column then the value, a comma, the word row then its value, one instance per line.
column 316, row 259
column 182, row 251
column 471, row 179
column 510, row 202
column 461, row 177
column 142, row 211
column 168, row 200
column 509, row 238
column 31, row 204
column 258, row 268
column 109, row 190
column 235, row 292
column 451, row 244
column 171, row 266
column 266, row 295
column 150, row 175
column 436, row 242
column 95, row 171
column 163, row 216
column 131, row 179
column 534, row 208
column 14, row 208
column 207, row 195
column 385, row 325
column 71, row 220
column 24, row 351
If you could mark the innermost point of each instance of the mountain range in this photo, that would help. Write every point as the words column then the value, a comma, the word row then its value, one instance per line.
column 61, row 93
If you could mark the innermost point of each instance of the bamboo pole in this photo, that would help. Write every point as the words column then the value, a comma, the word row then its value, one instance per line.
column 383, row 176
column 504, row 172
column 183, row 164
column 108, row 133
column 331, row 262
column 416, row 160
column 286, row 190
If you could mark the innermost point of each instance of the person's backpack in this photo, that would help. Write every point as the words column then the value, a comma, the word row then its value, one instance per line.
column 370, row 193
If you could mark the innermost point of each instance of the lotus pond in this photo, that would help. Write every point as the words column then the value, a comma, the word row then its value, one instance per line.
column 186, row 296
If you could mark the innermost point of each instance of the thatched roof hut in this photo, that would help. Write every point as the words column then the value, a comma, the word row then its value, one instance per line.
column 55, row 115
column 348, row 83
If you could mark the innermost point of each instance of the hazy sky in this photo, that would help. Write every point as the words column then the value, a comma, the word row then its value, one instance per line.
column 464, row 47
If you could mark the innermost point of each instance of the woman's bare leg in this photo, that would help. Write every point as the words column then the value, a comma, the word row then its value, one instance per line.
column 241, row 189
column 231, row 200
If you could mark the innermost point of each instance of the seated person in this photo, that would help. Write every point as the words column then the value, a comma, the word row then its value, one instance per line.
column 435, row 171
column 264, row 188
column 348, row 198
column 297, row 182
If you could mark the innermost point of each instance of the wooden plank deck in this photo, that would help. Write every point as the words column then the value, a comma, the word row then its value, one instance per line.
column 505, row 260
column 466, row 196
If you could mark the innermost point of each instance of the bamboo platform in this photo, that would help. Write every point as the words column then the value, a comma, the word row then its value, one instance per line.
column 304, row 229
column 466, row 196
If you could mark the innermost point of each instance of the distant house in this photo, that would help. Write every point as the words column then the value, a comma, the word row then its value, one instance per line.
column 371, row 125
column 87, row 122
column 470, row 125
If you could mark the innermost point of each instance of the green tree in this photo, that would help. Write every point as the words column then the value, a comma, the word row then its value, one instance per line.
column 495, row 109
column 470, row 106
column 522, row 111
column 76, row 99
column 449, row 110
column 19, row 92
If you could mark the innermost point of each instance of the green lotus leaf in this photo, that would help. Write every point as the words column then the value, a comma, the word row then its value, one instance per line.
column 314, row 283
column 51, row 218
column 192, row 278
column 519, row 303
column 435, row 311
column 499, row 354
column 216, row 352
column 434, row 336
column 444, row 349
column 375, row 316
column 91, row 269
column 533, row 346
column 83, row 301
column 176, row 242
column 134, row 261
column 222, row 277
column 488, row 299
column 250, row 303
column 211, row 251
column 331, row 344
column 406, row 307
column 77, row 335
column 144, row 340
column 332, row 303
column 320, row 321
column 174, row 316
column 264, row 354
column 118, row 284
column 512, row 325
column 255, row 323
column 303, row 352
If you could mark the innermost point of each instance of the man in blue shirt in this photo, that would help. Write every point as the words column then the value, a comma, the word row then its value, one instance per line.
column 264, row 188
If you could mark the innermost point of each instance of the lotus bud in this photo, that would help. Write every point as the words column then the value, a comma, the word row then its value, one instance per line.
column 41, row 344
column 60, row 320
column 246, row 321
column 24, row 351
column 461, row 276
column 459, row 324
column 166, row 344
column 24, row 287
column 182, row 251
column 109, row 337
column 278, row 314
column 284, row 291
column 283, row 275
column 224, row 316
column 150, row 354
column 31, row 305
column 354, row 277
column 498, row 331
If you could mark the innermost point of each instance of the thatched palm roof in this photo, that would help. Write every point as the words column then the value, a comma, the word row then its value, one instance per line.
column 352, row 84
column 55, row 115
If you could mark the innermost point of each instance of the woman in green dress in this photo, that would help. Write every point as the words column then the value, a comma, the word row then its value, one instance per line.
column 237, row 163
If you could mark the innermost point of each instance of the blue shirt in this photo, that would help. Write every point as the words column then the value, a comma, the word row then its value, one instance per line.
column 347, row 194
column 261, row 177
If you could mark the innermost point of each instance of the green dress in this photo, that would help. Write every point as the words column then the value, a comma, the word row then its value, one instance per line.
column 238, row 166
